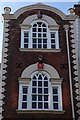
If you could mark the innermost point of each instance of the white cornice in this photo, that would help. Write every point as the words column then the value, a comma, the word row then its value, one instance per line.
column 39, row 6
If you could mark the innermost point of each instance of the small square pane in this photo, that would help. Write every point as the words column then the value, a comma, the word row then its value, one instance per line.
column 39, row 83
column 39, row 90
column 25, row 40
column 39, row 29
column 44, row 35
column 34, row 34
column 39, row 45
column 24, row 90
column 52, row 35
column 39, row 40
column 44, row 40
column 45, row 90
column 55, row 98
column 33, row 104
column 46, row 98
column 55, row 105
column 46, row 105
column 52, row 41
column 44, row 30
column 34, row 29
column 25, row 45
column 33, row 90
column 25, row 34
column 24, row 97
column 34, row 41
column 39, row 34
column 53, row 46
column 34, row 97
column 39, row 97
column 34, row 83
column 24, row 105
column 39, row 104
column 55, row 91
column 34, row 46
column 45, row 83
column 44, row 45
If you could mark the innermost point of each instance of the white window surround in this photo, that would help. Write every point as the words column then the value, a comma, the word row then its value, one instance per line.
column 50, row 29
column 51, row 86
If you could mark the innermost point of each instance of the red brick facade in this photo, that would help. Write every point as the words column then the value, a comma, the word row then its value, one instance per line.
column 19, row 60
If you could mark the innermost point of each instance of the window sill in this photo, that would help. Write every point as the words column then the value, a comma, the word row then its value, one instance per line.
column 41, row 111
column 39, row 50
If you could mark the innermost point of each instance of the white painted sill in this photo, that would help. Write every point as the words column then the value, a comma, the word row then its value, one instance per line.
column 39, row 50
column 41, row 111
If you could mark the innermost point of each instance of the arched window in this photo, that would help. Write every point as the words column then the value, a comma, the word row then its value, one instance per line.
column 39, row 36
column 40, row 94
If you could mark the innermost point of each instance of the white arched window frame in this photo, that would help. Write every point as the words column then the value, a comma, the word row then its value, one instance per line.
column 52, row 37
column 54, row 94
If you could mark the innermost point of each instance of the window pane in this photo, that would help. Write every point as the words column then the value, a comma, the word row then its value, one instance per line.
column 34, row 34
column 35, row 25
column 45, row 83
column 39, row 45
column 39, row 83
column 44, row 40
column 44, row 30
column 55, row 98
column 45, row 105
column 24, row 97
column 55, row 91
column 45, row 78
column 39, row 97
column 45, row 90
column 34, row 46
column 34, row 78
column 39, row 29
column 24, row 105
column 52, row 35
column 33, row 104
column 55, row 105
column 39, row 34
column 40, row 77
column 24, row 90
column 46, row 98
column 34, row 41
column 25, row 45
column 53, row 46
column 39, row 104
column 25, row 34
column 25, row 40
column 39, row 90
column 52, row 41
column 39, row 24
column 44, row 35
column 34, row 83
column 33, row 90
column 39, row 40
column 34, row 29
column 43, row 25
column 34, row 97
column 45, row 46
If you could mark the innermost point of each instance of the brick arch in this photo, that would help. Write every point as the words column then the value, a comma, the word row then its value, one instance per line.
column 47, row 68
column 41, row 7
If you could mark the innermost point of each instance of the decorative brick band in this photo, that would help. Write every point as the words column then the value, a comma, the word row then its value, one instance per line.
column 74, row 56
column 4, row 62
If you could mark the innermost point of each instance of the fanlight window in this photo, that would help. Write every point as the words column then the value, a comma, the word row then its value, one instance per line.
column 39, row 94
column 39, row 36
